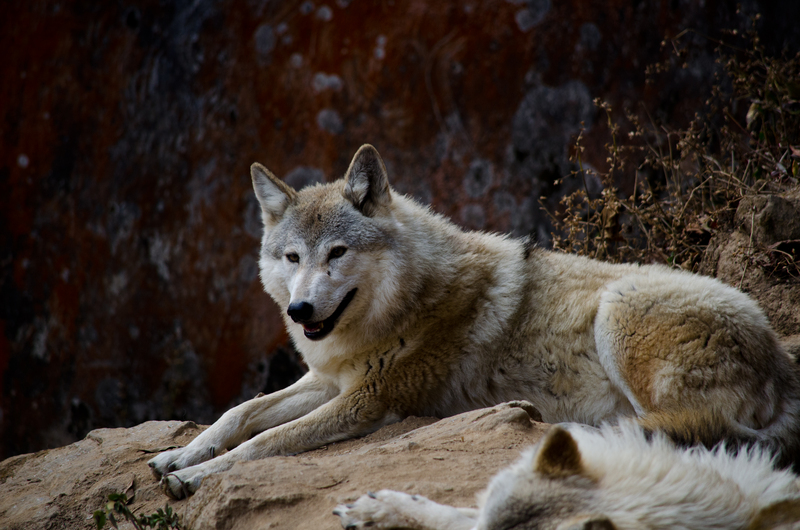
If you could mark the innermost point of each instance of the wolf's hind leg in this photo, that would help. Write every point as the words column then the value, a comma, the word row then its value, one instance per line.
column 677, row 343
column 393, row 509
column 244, row 421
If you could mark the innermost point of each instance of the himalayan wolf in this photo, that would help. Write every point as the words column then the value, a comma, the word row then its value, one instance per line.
column 398, row 312
column 580, row 478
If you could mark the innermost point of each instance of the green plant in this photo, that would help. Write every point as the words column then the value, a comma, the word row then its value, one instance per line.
column 687, row 183
column 164, row 519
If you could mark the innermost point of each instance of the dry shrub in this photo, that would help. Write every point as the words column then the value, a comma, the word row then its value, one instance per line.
column 687, row 183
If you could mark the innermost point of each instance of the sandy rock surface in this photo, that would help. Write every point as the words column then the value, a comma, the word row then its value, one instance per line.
column 448, row 460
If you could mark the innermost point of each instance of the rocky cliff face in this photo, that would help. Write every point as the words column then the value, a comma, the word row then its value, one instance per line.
column 128, row 229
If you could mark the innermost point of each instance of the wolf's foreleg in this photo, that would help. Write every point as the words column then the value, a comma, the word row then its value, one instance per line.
column 243, row 421
column 392, row 509
column 347, row 415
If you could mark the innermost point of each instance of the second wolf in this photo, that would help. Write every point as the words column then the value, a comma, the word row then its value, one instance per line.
column 398, row 312
column 614, row 478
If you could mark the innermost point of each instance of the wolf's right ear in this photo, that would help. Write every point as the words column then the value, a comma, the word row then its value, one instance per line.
column 558, row 455
column 273, row 194
column 366, row 181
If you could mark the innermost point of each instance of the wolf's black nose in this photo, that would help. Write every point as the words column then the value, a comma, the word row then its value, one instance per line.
column 300, row 311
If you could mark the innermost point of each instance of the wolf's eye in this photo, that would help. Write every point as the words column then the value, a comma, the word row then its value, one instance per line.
column 292, row 257
column 337, row 252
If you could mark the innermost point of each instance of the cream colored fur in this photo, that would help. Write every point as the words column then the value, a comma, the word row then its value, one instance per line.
column 423, row 318
column 618, row 479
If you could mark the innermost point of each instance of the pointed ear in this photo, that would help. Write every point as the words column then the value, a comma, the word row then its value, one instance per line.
column 273, row 194
column 367, row 184
column 558, row 455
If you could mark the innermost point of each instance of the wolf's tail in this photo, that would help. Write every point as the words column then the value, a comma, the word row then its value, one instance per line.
column 710, row 428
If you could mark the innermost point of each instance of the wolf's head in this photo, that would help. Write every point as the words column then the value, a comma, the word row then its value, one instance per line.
column 549, row 487
column 325, row 248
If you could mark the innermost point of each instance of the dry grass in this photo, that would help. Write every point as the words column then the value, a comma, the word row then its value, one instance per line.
column 687, row 183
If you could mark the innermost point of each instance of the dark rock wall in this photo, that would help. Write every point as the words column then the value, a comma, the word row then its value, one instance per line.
column 129, row 232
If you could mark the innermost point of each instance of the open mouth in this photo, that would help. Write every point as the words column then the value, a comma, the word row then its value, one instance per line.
column 319, row 330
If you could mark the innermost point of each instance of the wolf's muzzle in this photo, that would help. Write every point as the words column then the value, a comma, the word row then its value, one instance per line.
column 318, row 330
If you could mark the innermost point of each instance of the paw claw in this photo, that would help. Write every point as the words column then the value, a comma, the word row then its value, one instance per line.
column 371, row 495
column 171, row 492
column 154, row 470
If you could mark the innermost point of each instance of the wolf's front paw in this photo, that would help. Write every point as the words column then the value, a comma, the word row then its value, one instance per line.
column 165, row 462
column 178, row 459
column 181, row 484
column 385, row 509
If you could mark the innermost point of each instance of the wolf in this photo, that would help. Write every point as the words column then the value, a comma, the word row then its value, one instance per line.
column 579, row 478
column 398, row 312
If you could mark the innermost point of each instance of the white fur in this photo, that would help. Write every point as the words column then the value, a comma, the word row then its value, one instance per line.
column 653, row 485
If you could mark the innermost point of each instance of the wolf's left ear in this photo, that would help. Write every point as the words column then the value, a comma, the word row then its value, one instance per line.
column 558, row 455
column 273, row 194
column 366, row 181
